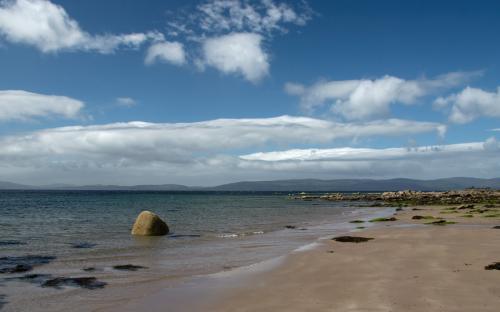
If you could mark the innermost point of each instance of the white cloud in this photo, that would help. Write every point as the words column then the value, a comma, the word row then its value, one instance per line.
column 20, row 105
column 170, row 52
column 478, row 159
column 218, row 17
column 237, row 53
column 140, row 142
column 470, row 103
column 126, row 101
column 232, row 32
column 491, row 144
column 357, row 154
column 367, row 99
column 48, row 27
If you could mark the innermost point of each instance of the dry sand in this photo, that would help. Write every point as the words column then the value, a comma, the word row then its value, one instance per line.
column 404, row 268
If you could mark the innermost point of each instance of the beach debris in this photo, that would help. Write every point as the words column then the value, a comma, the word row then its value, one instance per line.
column 466, row 207
column 18, row 268
column 383, row 219
column 83, row 245
column 357, row 221
column 89, row 269
column 22, row 263
column 416, row 209
column 497, row 227
column 440, row 222
column 351, row 239
column 2, row 300
column 149, row 224
column 128, row 267
column 330, row 251
column 492, row 215
column 291, row 227
column 417, row 217
column 32, row 278
column 493, row 266
column 184, row 235
column 11, row 243
column 83, row 282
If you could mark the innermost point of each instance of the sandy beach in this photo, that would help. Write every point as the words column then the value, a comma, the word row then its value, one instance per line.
column 407, row 266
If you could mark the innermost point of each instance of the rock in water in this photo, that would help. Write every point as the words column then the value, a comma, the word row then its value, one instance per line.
column 149, row 224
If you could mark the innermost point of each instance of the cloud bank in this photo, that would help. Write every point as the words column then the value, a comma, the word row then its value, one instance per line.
column 23, row 105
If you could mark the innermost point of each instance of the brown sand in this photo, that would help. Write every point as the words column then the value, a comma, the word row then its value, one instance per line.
column 420, row 268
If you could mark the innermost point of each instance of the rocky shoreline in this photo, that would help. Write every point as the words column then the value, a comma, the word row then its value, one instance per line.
column 467, row 196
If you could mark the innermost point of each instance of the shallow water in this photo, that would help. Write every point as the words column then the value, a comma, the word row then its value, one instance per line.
column 210, row 232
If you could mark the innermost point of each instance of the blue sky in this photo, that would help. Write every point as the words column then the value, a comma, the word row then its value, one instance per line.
column 207, row 92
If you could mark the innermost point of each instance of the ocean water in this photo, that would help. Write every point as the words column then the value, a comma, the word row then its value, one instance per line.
column 210, row 232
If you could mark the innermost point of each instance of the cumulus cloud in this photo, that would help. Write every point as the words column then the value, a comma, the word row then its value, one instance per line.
column 237, row 53
column 21, row 105
column 232, row 33
column 169, row 52
column 48, row 27
column 364, row 99
column 470, row 104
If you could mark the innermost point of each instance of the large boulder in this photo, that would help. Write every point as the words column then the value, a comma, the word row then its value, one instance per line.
column 149, row 224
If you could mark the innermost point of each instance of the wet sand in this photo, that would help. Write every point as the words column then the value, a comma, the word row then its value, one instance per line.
column 404, row 268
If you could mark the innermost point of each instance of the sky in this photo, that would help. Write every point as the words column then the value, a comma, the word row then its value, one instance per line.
column 210, row 92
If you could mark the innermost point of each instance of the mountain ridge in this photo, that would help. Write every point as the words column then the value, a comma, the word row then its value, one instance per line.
column 290, row 185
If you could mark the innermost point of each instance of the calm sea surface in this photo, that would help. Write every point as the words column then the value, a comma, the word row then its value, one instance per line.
column 210, row 232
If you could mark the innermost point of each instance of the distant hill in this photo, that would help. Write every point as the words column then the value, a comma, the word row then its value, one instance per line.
column 306, row 185
column 361, row 185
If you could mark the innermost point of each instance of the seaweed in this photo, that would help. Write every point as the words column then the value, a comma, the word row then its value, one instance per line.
column 83, row 282
column 493, row 266
column 417, row 217
column 383, row 219
column 128, row 267
column 440, row 222
column 351, row 239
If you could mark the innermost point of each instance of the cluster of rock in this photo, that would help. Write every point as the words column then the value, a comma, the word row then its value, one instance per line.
column 413, row 197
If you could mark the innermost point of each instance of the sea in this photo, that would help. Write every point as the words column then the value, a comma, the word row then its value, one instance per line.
column 57, row 236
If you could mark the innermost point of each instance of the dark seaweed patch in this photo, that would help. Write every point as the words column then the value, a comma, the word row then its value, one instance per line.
column 493, row 266
column 3, row 301
column 83, row 282
column 351, row 239
column 89, row 269
column 11, row 243
column 128, row 267
column 184, row 235
column 83, row 245
column 383, row 219
column 23, row 263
